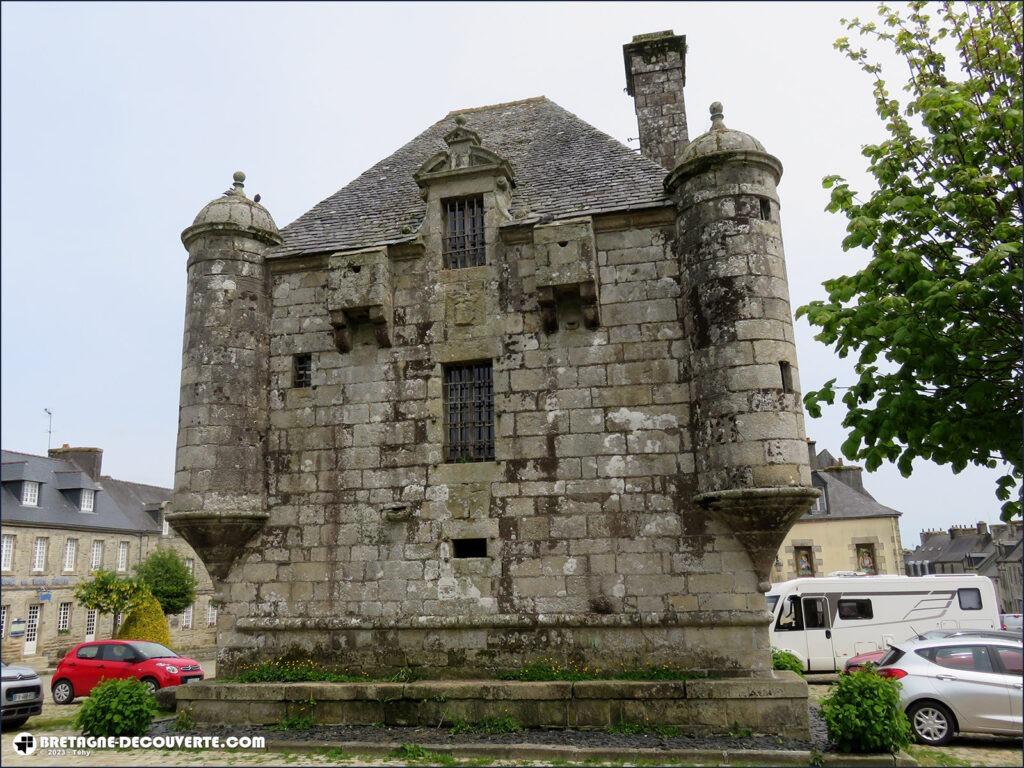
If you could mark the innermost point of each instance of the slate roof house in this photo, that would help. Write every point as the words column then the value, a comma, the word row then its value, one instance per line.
column 61, row 520
column 846, row 530
column 516, row 392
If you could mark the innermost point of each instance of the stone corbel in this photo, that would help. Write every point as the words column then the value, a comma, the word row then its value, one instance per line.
column 567, row 271
column 359, row 291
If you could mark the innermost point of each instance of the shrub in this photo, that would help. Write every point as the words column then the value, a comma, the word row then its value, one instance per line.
column 146, row 622
column 107, row 592
column 863, row 714
column 117, row 708
column 168, row 578
column 786, row 660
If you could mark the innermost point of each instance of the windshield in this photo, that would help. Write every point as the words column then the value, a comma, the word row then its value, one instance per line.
column 773, row 600
column 153, row 651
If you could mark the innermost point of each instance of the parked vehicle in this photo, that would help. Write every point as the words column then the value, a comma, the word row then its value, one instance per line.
column 21, row 695
column 825, row 621
column 874, row 657
column 1012, row 622
column 958, row 684
column 86, row 664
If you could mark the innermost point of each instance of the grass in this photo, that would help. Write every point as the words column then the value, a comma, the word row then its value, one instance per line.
column 52, row 722
column 489, row 725
column 308, row 671
column 544, row 671
column 934, row 756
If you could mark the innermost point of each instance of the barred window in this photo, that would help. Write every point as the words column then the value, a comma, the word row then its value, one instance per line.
column 469, row 405
column 302, row 370
column 464, row 233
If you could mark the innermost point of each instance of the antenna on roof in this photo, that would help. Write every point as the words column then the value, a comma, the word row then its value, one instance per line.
column 49, row 428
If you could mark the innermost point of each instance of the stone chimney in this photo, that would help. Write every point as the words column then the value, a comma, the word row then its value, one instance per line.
column 982, row 527
column 812, row 454
column 851, row 475
column 89, row 460
column 655, row 76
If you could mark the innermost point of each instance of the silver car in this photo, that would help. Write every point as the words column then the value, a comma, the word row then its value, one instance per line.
column 965, row 683
column 21, row 695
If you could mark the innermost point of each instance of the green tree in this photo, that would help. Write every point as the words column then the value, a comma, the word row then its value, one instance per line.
column 169, row 579
column 107, row 592
column 146, row 621
column 935, row 317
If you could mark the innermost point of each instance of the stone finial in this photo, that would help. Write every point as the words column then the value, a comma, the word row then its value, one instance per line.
column 460, row 120
column 239, row 180
column 717, row 117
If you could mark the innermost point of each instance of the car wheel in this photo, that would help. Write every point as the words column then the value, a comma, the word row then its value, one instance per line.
column 151, row 684
column 932, row 723
column 62, row 692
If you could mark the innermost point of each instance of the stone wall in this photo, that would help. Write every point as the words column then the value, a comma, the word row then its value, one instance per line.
column 595, row 552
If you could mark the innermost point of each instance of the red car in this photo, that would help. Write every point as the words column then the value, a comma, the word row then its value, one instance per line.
column 88, row 663
column 855, row 663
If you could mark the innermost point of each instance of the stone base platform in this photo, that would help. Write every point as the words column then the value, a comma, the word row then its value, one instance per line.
column 774, row 704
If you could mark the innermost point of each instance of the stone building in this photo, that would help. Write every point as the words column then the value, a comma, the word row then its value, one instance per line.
column 845, row 530
column 515, row 392
column 977, row 548
column 61, row 520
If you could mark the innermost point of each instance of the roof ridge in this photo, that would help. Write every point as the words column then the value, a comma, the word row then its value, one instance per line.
column 464, row 110
column 33, row 455
column 132, row 482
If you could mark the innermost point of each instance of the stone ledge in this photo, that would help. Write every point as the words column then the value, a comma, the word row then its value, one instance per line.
column 776, row 704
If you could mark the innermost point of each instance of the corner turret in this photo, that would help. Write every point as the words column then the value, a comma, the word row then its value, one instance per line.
column 751, row 450
column 219, row 500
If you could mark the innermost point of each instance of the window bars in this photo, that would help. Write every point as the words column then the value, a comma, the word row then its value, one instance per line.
column 469, row 405
column 464, row 233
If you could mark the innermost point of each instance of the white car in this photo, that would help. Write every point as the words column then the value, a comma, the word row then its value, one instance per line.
column 962, row 684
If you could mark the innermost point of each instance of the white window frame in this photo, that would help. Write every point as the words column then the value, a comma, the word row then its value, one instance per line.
column 88, row 500
column 190, row 564
column 70, row 555
column 211, row 615
column 96, row 559
column 8, row 552
column 122, row 556
column 39, row 554
column 3, row 621
column 186, row 618
column 64, row 617
column 92, row 618
column 165, row 529
column 29, row 493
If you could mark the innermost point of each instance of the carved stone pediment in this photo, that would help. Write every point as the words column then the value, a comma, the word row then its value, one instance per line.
column 567, row 270
column 359, row 291
column 464, row 155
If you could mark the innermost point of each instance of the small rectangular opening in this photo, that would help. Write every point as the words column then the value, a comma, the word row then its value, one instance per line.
column 302, row 370
column 463, row 548
column 787, row 376
column 766, row 209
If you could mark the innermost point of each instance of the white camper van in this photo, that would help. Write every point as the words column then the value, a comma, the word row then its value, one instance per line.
column 825, row 621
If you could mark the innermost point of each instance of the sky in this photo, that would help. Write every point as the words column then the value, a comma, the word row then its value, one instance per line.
column 120, row 121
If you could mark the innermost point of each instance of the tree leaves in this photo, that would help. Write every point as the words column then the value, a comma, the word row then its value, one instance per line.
column 934, row 319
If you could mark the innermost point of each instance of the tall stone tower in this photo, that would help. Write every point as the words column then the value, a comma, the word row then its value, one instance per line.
column 750, row 452
column 220, row 497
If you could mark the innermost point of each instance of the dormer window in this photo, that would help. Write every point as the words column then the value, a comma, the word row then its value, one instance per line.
column 820, row 503
column 88, row 500
column 30, row 493
column 464, row 232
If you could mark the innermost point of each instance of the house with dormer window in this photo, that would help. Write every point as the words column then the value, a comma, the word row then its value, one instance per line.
column 62, row 521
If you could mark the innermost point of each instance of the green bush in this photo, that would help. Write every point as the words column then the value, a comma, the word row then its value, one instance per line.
column 146, row 622
column 117, row 708
column 863, row 714
column 169, row 579
column 786, row 660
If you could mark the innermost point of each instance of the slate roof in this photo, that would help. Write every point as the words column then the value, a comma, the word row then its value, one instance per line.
column 562, row 166
column 119, row 505
column 844, row 501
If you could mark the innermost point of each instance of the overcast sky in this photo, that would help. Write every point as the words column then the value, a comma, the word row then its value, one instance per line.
column 121, row 121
